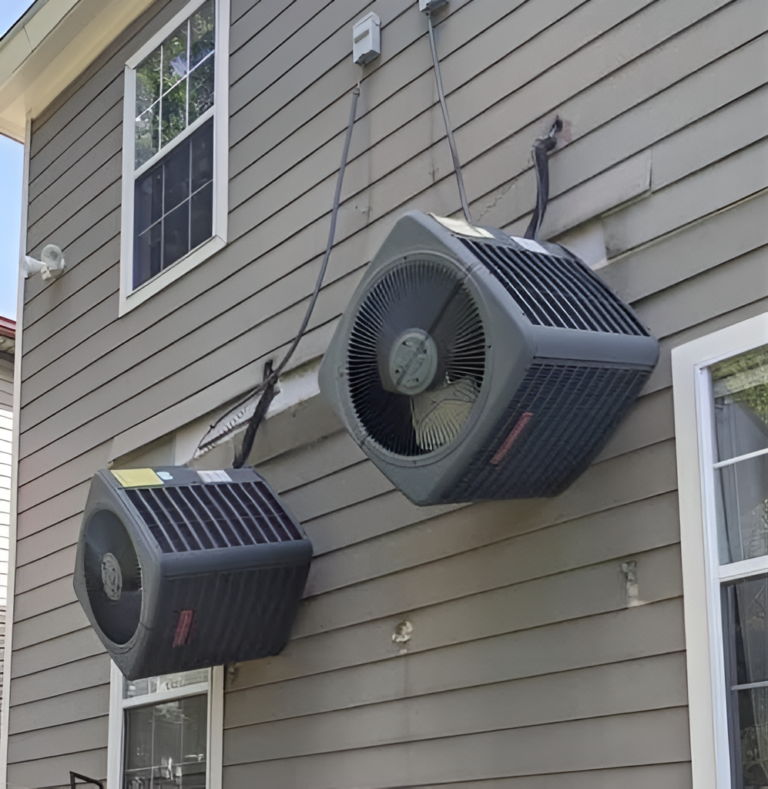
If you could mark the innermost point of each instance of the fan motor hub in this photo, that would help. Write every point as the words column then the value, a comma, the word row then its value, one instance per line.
column 413, row 362
column 111, row 576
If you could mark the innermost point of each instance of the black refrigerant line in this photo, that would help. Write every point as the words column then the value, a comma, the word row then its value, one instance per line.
column 447, row 120
column 540, row 153
column 267, row 386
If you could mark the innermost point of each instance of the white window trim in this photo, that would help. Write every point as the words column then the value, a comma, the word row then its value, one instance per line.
column 130, row 298
column 118, row 705
column 702, row 574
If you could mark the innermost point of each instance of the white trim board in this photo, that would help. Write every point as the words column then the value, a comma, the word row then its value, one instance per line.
column 692, row 404
column 18, row 350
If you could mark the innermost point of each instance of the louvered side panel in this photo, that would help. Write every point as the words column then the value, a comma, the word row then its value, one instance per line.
column 555, row 291
column 558, row 422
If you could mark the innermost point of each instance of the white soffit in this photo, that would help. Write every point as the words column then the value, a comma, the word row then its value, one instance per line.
column 49, row 47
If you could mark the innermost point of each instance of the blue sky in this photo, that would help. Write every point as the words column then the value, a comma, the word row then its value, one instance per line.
column 11, row 166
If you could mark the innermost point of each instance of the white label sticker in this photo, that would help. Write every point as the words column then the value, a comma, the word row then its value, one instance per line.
column 214, row 476
column 529, row 243
column 166, row 475
column 462, row 227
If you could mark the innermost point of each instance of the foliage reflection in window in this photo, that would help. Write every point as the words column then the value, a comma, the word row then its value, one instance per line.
column 175, row 83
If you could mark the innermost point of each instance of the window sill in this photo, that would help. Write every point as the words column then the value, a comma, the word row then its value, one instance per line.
column 129, row 301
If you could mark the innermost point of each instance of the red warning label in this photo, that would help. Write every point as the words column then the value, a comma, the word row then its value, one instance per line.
column 514, row 434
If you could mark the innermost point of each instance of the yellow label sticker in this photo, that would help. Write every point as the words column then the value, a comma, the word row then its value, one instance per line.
column 137, row 477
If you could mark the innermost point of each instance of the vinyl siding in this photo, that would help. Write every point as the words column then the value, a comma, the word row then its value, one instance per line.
column 526, row 660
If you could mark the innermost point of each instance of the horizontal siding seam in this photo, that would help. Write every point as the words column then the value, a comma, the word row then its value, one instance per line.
column 435, row 693
column 27, row 760
column 64, row 302
column 94, row 200
column 450, row 645
column 279, row 43
column 77, row 161
column 447, row 600
column 683, row 228
column 472, row 733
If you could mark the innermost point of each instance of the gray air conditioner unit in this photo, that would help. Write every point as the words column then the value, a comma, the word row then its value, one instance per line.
column 473, row 365
column 179, row 569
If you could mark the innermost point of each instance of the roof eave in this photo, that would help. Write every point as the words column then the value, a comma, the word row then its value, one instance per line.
column 50, row 47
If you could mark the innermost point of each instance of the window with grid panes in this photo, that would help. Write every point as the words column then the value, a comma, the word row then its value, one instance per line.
column 739, row 475
column 165, row 731
column 173, row 120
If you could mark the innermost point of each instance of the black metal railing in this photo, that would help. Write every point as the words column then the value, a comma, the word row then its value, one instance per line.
column 75, row 777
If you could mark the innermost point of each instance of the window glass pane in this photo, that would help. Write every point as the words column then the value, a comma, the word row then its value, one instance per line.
column 147, row 135
column 147, row 255
column 148, row 82
column 175, row 65
column 166, row 745
column 176, row 175
column 201, row 89
column 748, row 603
column 202, row 215
column 201, row 40
column 174, row 112
column 740, row 388
column 176, row 234
column 148, row 203
column 745, row 604
column 202, row 156
column 743, row 491
column 753, row 736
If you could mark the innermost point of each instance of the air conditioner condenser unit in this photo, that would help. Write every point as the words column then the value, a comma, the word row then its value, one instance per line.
column 178, row 569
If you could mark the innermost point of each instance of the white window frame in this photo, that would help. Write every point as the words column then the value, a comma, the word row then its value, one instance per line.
column 118, row 705
column 702, row 572
column 130, row 297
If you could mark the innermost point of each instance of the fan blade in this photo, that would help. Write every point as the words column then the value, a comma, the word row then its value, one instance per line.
column 439, row 414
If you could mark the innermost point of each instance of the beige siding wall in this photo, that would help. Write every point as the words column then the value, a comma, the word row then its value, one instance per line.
column 525, row 660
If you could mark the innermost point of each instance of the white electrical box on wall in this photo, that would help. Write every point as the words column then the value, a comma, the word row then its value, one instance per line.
column 366, row 39
column 431, row 5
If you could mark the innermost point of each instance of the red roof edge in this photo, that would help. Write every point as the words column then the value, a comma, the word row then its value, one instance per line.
column 7, row 327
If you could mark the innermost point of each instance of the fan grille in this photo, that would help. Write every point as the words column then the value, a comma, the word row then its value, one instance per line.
column 224, row 515
column 420, row 294
column 560, row 419
column 116, row 605
column 555, row 291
